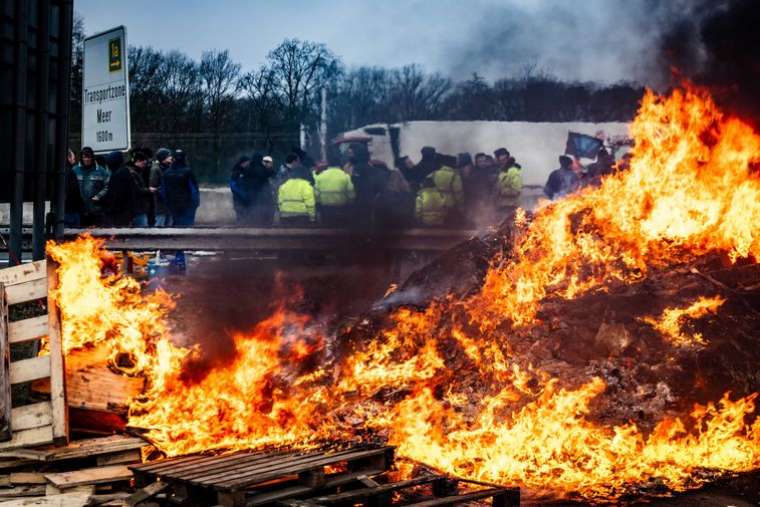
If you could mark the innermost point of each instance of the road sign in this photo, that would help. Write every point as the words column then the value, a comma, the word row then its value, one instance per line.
column 105, row 92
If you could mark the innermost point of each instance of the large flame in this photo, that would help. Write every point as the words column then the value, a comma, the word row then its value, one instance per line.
column 443, row 384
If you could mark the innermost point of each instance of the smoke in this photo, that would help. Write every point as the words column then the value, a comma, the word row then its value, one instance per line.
column 720, row 49
column 595, row 40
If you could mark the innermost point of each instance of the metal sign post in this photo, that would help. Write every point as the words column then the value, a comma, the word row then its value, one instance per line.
column 105, row 92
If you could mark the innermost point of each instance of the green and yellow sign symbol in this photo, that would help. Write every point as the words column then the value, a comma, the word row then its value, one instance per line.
column 114, row 54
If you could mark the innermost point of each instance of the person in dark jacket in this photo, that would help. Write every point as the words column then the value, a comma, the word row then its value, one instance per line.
column 122, row 199
column 162, row 163
column 239, row 185
column 480, row 188
column 139, row 169
column 562, row 181
column 369, row 182
column 93, row 186
column 74, row 204
column 181, row 192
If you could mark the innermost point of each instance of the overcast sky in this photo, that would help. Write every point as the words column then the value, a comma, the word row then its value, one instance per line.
column 589, row 40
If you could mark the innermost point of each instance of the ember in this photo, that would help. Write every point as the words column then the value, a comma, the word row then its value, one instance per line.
column 486, row 386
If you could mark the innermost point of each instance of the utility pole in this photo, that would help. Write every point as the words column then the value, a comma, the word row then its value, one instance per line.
column 323, row 125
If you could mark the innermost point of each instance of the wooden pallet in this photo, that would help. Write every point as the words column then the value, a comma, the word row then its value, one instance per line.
column 239, row 478
column 46, row 421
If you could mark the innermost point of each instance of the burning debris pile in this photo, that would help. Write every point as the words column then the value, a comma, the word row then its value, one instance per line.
column 607, row 347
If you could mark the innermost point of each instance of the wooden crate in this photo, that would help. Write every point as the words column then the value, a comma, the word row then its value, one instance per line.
column 46, row 421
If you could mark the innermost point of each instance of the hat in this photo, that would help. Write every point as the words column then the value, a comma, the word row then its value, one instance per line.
column 427, row 151
column 500, row 152
column 163, row 153
column 87, row 151
column 115, row 159
column 138, row 156
column 565, row 161
column 464, row 159
column 267, row 159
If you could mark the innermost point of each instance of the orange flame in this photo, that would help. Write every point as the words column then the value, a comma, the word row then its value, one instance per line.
column 669, row 323
column 444, row 384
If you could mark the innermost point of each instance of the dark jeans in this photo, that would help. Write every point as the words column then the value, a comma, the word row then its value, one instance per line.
column 296, row 221
column 335, row 216
column 184, row 217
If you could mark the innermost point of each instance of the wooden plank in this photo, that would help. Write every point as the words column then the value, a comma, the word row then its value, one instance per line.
column 31, row 416
column 457, row 499
column 57, row 369
column 88, row 476
column 145, row 493
column 5, row 373
column 88, row 489
column 92, row 385
column 62, row 500
column 120, row 458
column 11, row 463
column 302, row 462
column 186, row 463
column 27, row 370
column 357, row 494
column 214, row 466
column 27, row 291
column 23, row 273
column 93, row 447
column 332, row 482
column 28, row 329
column 30, row 490
column 27, row 478
column 35, row 436
column 257, row 475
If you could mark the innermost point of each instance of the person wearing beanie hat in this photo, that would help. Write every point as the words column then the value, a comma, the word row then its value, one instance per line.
column 138, row 168
column 93, row 186
column 155, row 184
column 180, row 191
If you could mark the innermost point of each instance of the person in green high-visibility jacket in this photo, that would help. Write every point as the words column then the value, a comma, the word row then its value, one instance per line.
column 335, row 195
column 449, row 183
column 297, row 202
column 431, row 208
column 509, row 186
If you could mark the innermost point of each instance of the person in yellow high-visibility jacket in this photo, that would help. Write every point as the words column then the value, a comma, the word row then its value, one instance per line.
column 297, row 203
column 431, row 207
column 335, row 195
column 449, row 183
column 509, row 187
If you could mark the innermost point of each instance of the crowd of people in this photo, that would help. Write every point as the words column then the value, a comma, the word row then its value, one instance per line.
column 356, row 191
column 347, row 190
column 148, row 190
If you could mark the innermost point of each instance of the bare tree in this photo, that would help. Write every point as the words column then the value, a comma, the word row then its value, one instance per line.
column 418, row 95
column 263, row 96
column 220, row 78
column 300, row 68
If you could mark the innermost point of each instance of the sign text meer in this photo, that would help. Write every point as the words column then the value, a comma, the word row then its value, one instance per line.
column 105, row 92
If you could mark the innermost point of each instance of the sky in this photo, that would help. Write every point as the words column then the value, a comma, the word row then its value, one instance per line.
column 588, row 40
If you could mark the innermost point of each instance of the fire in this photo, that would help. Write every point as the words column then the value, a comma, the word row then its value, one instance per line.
column 670, row 322
column 445, row 384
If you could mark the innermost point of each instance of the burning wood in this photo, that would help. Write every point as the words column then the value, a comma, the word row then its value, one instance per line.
column 592, row 357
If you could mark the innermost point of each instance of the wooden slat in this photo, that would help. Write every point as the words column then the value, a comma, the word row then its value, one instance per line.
column 88, row 476
column 28, row 329
column 62, row 500
column 35, row 436
column 23, row 273
column 28, row 370
column 335, row 481
column 27, row 291
column 235, row 462
column 212, row 474
column 57, row 369
column 31, row 416
column 120, row 458
column 5, row 384
column 356, row 494
column 93, row 447
column 27, row 478
column 259, row 475
column 180, row 466
column 32, row 490
column 457, row 499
